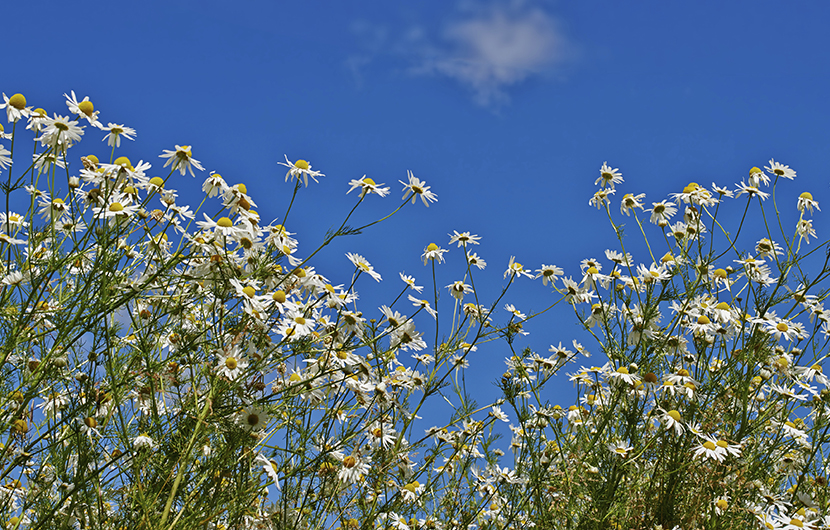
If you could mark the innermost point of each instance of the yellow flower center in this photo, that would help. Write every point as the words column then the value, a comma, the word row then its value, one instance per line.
column 806, row 195
column 709, row 445
column 18, row 101
column 782, row 327
column 242, row 188
column 349, row 462
column 301, row 164
column 754, row 170
column 703, row 319
column 673, row 414
column 299, row 320
column 723, row 306
column 693, row 186
column 722, row 504
column 116, row 207
column 683, row 372
column 369, row 181
column 249, row 291
column 279, row 296
column 796, row 522
column 723, row 443
column 231, row 363
column 412, row 486
column 61, row 126
column 224, row 222
column 123, row 161
column 622, row 370
column 86, row 107
column 432, row 247
column 157, row 181
column 592, row 270
column 90, row 422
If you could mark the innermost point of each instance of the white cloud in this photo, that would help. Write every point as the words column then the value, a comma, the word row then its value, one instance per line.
column 495, row 49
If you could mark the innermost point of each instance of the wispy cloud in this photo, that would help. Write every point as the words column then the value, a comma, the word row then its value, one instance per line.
column 495, row 49
column 486, row 49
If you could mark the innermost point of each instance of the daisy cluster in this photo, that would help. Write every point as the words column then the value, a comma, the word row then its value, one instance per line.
column 166, row 367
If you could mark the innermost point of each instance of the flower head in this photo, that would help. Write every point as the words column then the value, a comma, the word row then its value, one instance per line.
column 181, row 159
column 608, row 176
column 417, row 188
column 300, row 169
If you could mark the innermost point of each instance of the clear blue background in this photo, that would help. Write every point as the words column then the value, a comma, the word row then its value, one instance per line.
column 507, row 109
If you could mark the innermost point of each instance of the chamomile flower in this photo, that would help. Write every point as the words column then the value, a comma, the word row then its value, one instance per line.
column 181, row 159
column 631, row 201
column 15, row 107
column 252, row 418
column 458, row 289
column 806, row 202
column 608, row 176
column 116, row 132
column 363, row 265
column 780, row 170
column 5, row 158
column 230, row 364
column 463, row 239
column 300, row 169
column 805, row 229
column 424, row 305
column 60, row 133
column 433, row 252
column 514, row 268
column 417, row 188
column 410, row 282
column 84, row 109
column 473, row 259
column 662, row 212
column 367, row 185
column 549, row 273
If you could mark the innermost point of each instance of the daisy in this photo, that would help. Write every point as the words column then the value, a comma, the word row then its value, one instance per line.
column 214, row 185
column 805, row 229
column 143, row 441
column 433, row 252
column 806, row 202
column 710, row 449
column 620, row 449
column 353, row 468
column 662, row 211
column 230, row 364
column 252, row 418
column 60, row 133
column 549, row 273
column 600, row 198
column 418, row 189
column 116, row 132
column 631, row 201
column 514, row 268
column 181, row 159
column 672, row 421
column 15, row 107
column 608, row 177
column 463, row 238
column 752, row 191
column 767, row 248
column 458, row 289
column 410, row 282
column 367, row 185
column 300, row 169
column 424, row 305
column 363, row 265
column 5, row 159
column 473, row 259
column 780, row 170
column 84, row 109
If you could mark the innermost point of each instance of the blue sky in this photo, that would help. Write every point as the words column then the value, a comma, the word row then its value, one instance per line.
column 506, row 109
